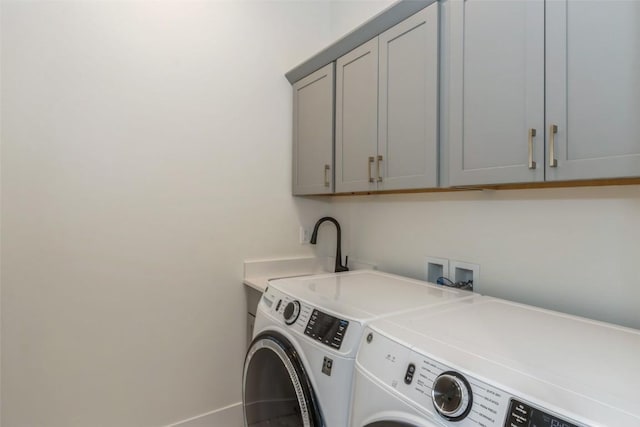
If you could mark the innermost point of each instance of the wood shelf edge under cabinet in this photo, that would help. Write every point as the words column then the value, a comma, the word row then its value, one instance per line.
column 518, row 186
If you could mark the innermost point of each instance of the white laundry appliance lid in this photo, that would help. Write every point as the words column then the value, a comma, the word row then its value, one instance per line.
column 366, row 294
column 555, row 359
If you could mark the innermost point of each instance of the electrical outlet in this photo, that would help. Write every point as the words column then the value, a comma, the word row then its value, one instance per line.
column 460, row 271
column 305, row 235
column 435, row 268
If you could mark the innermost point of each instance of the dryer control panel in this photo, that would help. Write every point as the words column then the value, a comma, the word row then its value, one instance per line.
column 448, row 393
column 522, row 415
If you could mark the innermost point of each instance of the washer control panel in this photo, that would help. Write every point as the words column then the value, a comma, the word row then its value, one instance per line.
column 292, row 312
column 327, row 329
column 336, row 333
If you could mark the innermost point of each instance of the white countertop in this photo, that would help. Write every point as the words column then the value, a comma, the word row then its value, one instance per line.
column 257, row 273
column 364, row 295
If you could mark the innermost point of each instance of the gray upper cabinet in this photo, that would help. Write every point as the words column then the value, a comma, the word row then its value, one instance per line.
column 472, row 92
column 407, row 154
column 496, row 87
column 593, row 89
column 543, row 90
column 313, row 102
column 387, row 109
column 357, row 118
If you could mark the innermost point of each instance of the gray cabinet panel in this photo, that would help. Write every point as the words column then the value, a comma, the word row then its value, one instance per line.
column 496, row 91
column 408, row 103
column 356, row 118
column 593, row 88
column 394, row 14
column 313, row 102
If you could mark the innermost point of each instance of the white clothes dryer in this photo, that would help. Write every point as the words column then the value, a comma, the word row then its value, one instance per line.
column 487, row 362
column 299, row 368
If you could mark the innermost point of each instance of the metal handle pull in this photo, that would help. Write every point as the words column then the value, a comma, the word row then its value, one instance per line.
column 378, row 169
column 532, row 134
column 553, row 129
column 327, row 168
column 369, row 163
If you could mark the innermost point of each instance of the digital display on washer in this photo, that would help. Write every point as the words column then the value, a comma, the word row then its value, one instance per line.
column 327, row 329
column 523, row 415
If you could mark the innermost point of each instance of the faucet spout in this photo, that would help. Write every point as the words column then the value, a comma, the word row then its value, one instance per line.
column 314, row 238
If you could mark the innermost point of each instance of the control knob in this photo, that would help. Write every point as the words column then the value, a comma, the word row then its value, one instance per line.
column 291, row 312
column 452, row 397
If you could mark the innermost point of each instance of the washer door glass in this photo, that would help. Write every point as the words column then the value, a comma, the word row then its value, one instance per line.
column 276, row 390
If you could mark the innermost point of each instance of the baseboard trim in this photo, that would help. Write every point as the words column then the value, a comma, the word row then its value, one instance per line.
column 230, row 416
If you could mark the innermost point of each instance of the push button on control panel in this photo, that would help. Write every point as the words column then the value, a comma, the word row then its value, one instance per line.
column 519, row 414
column 408, row 377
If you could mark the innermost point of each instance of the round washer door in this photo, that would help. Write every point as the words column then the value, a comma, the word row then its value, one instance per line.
column 276, row 389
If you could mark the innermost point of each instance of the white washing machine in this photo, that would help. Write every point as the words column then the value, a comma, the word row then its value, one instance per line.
column 486, row 362
column 299, row 368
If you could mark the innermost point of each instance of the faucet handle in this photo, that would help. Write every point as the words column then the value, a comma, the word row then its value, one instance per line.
column 339, row 267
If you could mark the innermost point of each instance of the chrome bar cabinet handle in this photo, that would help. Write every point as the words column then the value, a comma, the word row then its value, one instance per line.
column 553, row 129
column 532, row 134
column 369, row 164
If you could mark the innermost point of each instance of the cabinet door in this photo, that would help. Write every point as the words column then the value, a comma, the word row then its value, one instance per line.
column 408, row 103
column 496, row 91
column 357, row 118
column 313, row 100
column 593, row 89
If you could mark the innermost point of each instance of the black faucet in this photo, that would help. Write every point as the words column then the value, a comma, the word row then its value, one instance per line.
column 314, row 239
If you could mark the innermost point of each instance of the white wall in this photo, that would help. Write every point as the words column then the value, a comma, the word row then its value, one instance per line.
column 145, row 154
column 574, row 250
column 349, row 14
